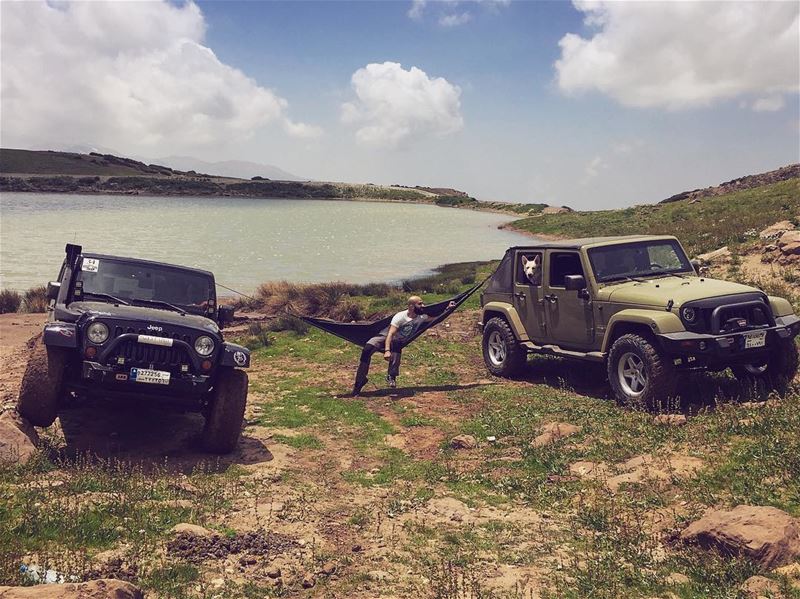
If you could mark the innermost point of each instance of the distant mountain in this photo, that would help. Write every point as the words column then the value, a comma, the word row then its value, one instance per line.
column 791, row 171
column 241, row 169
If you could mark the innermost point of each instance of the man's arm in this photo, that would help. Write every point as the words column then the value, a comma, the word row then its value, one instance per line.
column 388, row 346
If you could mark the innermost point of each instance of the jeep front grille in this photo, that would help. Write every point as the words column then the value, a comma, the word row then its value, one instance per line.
column 716, row 317
column 144, row 355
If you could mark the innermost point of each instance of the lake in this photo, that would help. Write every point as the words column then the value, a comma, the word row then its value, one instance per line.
column 245, row 241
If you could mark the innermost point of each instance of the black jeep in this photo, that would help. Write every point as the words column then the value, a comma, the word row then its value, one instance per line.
column 124, row 328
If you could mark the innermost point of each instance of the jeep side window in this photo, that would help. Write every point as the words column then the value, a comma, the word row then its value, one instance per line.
column 563, row 264
column 529, row 268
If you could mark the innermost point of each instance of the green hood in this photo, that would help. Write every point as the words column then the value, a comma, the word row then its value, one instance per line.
column 658, row 291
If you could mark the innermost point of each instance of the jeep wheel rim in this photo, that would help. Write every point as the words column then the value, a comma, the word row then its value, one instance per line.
column 632, row 374
column 497, row 348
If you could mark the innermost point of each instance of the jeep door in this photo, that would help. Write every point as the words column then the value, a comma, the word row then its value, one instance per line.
column 528, row 296
column 569, row 317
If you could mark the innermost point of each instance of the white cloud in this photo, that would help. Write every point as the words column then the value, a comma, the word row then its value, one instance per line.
column 417, row 8
column 595, row 165
column 769, row 103
column 455, row 19
column 450, row 12
column 683, row 54
column 394, row 105
column 129, row 75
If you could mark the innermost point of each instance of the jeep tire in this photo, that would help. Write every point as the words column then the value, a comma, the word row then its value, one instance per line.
column 42, row 383
column 501, row 352
column 226, row 412
column 779, row 367
column 639, row 373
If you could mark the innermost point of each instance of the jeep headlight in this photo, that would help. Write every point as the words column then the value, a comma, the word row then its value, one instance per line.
column 689, row 314
column 97, row 332
column 204, row 345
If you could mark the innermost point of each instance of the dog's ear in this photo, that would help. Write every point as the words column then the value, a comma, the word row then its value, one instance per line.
column 524, row 260
column 536, row 260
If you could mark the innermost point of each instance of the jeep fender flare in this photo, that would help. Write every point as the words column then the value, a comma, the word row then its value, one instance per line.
column 780, row 306
column 507, row 311
column 60, row 334
column 234, row 356
column 656, row 322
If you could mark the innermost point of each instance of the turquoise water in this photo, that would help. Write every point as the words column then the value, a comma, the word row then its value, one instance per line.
column 245, row 241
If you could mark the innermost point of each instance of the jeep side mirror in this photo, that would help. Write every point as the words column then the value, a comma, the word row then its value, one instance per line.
column 52, row 289
column 574, row 282
column 225, row 314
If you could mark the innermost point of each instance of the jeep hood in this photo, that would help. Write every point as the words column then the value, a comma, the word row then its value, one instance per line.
column 145, row 315
column 658, row 291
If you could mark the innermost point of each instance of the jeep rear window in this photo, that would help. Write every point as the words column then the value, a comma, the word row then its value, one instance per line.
column 640, row 259
column 131, row 281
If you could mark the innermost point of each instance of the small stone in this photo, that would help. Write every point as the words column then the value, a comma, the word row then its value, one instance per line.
column 676, row 579
column 356, row 548
column 308, row 581
column 761, row 587
column 218, row 582
column 552, row 432
column 328, row 568
column 274, row 572
column 463, row 442
column 670, row 420
column 191, row 529
column 491, row 439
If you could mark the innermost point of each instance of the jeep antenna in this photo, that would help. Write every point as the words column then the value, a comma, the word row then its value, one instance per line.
column 239, row 292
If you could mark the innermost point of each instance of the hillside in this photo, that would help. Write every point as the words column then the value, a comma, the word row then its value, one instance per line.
column 95, row 173
column 702, row 225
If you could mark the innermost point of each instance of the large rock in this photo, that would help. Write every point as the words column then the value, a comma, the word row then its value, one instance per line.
column 553, row 431
column 789, row 243
column 95, row 589
column 760, row 587
column 719, row 256
column 776, row 230
column 463, row 442
column 766, row 535
column 18, row 438
column 192, row 530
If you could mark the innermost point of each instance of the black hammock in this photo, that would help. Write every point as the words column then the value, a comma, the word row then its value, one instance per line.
column 361, row 332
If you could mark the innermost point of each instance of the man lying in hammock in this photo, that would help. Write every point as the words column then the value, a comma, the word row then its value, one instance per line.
column 391, row 340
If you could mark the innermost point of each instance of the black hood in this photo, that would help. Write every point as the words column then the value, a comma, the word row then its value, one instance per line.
column 145, row 315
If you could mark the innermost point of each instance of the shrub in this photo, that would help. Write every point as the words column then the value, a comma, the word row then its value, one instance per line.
column 347, row 311
column 9, row 301
column 257, row 336
column 35, row 299
column 286, row 322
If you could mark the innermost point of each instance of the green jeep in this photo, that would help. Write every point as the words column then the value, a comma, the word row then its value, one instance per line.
column 637, row 305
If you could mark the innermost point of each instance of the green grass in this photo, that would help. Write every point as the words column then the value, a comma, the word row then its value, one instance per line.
column 706, row 225
column 303, row 441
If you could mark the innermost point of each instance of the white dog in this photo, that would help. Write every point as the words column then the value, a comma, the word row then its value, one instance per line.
column 533, row 269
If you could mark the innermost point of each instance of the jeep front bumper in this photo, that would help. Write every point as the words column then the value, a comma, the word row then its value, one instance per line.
column 698, row 349
column 100, row 379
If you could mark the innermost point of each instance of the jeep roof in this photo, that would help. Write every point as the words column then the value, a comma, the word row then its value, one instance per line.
column 199, row 271
column 576, row 244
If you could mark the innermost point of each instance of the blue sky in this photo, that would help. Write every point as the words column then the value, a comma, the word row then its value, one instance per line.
column 591, row 105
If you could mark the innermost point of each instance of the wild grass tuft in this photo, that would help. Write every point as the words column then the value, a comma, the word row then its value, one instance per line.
column 10, row 301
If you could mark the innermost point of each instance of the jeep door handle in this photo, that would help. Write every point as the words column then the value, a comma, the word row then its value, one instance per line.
column 552, row 298
column 520, row 295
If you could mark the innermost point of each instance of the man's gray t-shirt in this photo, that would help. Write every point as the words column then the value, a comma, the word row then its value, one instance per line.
column 407, row 326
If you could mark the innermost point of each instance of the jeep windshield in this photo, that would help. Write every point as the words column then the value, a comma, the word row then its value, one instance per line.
column 149, row 285
column 626, row 261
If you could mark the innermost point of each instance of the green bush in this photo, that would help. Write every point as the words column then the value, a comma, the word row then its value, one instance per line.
column 35, row 299
column 9, row 301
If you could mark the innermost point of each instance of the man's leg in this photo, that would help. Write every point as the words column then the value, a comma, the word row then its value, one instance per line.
column 394, row 367
column 373, row 345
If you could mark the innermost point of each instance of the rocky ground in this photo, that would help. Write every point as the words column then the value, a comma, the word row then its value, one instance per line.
column 453, row 485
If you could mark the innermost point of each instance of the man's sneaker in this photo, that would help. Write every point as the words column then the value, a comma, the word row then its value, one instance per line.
column 391, row 381
column 358, row 387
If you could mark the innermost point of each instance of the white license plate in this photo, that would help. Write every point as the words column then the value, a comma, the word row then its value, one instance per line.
column 154, row 377
column 758, row 339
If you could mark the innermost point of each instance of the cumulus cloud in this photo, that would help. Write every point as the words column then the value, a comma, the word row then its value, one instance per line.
column 129, row 75
column 394, row 105
column 451, row 12
column 678, row 55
